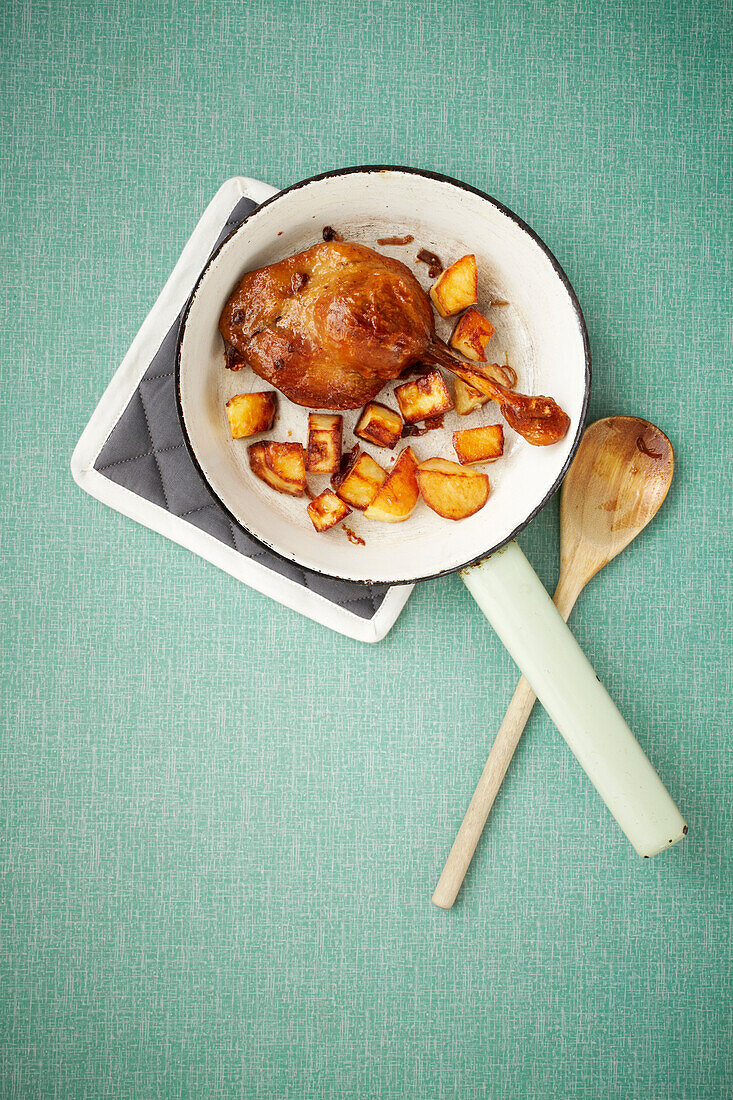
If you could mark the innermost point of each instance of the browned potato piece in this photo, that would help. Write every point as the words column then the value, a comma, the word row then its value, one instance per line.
column 250, row 413
column 425, row 397
column 472, row 334
column 479, row 444
column 324, row 443
column 457, row 288
column 287, row 460
column 279, row 465
column 326, row 510
column 468, row 398
column 398, row 495
column 379, row 425
column 361, row 480
column 451, row 490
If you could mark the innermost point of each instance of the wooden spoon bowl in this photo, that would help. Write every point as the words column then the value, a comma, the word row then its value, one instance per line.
column 616, row 484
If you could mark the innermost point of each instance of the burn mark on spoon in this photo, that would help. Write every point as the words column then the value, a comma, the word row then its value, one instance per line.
column 643, row 446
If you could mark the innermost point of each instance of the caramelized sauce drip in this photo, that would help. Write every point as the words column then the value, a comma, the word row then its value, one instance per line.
column 396, row 240
column 330, row 234
column 435, row 264
column 353, row 537
column 232, row 358
column 429, row 425
column 348, row 458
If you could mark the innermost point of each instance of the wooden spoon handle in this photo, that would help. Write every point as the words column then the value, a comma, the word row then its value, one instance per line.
column 480, row 805
column 500, row 757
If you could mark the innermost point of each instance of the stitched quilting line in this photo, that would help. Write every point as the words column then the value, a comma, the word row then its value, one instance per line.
column 351, row 599
column 163, row 451
column 192, row 511
column 233, row 534
column 154, row 377
column 152, row 444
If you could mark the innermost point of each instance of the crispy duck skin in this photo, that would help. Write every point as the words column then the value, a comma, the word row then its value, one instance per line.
column 329, row 326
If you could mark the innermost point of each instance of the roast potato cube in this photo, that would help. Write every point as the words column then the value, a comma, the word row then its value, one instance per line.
column 324, row 443
column 472, row 334
column 479, row 444
column 379, row 425
column 250, row 413
column 398, row 495
column 279, row 465
column 451, row 490
column 457, row 288
column 287, row 460
column 361, row 480
column 326, row 510
column 468, row 398
column 426, row 397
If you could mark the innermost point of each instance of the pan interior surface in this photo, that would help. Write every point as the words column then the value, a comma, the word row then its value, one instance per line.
column 540, row 333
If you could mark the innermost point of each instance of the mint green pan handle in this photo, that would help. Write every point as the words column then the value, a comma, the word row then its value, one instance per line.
column 515, row 602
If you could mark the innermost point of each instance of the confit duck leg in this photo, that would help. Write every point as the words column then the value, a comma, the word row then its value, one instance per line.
column 540, row 420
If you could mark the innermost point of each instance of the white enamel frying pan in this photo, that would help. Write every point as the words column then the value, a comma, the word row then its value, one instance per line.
column 541, row 334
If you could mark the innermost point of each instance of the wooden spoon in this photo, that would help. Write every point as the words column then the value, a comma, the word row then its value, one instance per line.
column 614, row 487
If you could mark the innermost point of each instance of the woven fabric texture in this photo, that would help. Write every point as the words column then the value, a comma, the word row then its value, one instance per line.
column 221, row 822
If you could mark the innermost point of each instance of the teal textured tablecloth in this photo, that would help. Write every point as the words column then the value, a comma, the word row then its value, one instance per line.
column 222, row 824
